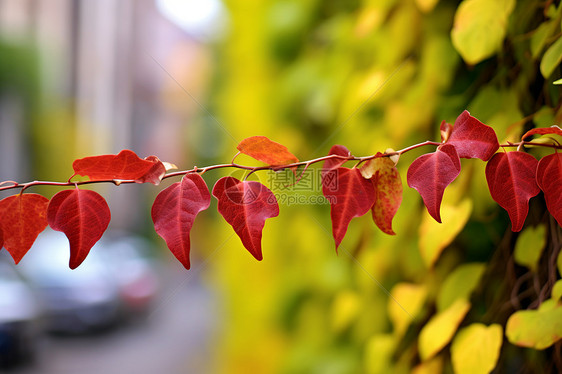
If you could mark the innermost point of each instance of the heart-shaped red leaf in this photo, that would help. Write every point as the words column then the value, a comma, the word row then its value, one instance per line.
column 245, row 206
column 472, row 138
column 431, row 173
column 512, row 182
column 350, row 195
column 549, row 179
column 334, row 163
column 22, row 218
column 388, row 191
column 265, row 150
column 83, row 216
column 125, row 166
column 174, row 211
column 554, row 130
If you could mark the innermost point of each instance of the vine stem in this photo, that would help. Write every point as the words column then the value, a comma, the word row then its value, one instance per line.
column 252, row 169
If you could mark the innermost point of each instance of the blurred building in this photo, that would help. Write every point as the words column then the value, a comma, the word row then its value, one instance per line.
column 80, row 77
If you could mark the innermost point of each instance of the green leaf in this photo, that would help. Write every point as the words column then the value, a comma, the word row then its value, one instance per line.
column 529, row 246
column 409, row 297
column 476, row 349
column 479, row 28
column 537, row 329
column 434, row 236
column 551, row 58
column 459, row 284
column 559, row 263
column 540, row 35
column 558, row 82
column 379, row 351
column 440, row 329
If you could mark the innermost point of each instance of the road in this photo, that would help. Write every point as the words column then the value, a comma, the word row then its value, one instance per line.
column 173, row 339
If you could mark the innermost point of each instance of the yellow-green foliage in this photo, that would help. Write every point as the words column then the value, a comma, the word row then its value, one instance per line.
column 370, row 75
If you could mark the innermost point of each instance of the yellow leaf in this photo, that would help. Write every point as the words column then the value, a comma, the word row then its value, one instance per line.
column 344, row 309
column 537, row 329
column 434, row 236
column 459, row 284
column 409, row 297
column 433, row 366
column 476, row 349
column 426, row 6
column 557, row 290
column 479, row 28
column 437, row 333
column 378, row 354
column 529, row 246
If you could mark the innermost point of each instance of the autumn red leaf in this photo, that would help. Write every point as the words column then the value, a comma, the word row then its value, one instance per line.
column 22, row 218
column 554, row 130
column 245, row 205
column 512, row 182
column 83, row 216
column 334, row 163
column 549, row 179
column 349, row 194
column 388, row 191
column 174, row 211
column 124, row 166
column 472, row 138
column 265, row 150
column 431, row 173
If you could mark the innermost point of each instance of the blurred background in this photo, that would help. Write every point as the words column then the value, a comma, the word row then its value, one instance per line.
column 187, row 81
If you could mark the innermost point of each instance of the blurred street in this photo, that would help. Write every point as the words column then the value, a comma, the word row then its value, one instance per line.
column 173, row 338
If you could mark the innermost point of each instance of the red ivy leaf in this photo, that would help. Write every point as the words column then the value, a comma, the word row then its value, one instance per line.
column 350, row 195
column 549, row 179
column 174, row 211
column 431, row 173
column 245, row 206
column 334, row 163
column 388, row 191
column 512, row 182
column 265, row 150
column 22, row 219
column 83, row 216
column 126, row 166
column 472, row 138
column 555, row 130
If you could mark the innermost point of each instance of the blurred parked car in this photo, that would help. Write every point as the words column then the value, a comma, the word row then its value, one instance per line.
column 74, row 301
column 19, row 317
column 117, row 280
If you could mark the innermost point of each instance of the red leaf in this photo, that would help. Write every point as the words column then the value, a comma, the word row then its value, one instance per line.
column 174, row 211
column 388, row 192
column 245, row 206
column 472, row 138
column 22, row 219
column 549, row 179
column 446, row 129
column 431, row 173
column 334, row 163
column 350, row 195
column 83, row 216
column 124, row 166
column 512, row 182
column 265, row 150
column 555, row 130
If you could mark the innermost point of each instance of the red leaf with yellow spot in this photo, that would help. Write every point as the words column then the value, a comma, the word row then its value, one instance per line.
column 265, row 150
column 83, row 216
column 245, row 206
column 431, row 173
column 388, row 191
column 174, row 211
column 350, row 195
column 124, row 166
column 472, row 138
column 512, row 182
column 549, row 179
column 22, row 218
